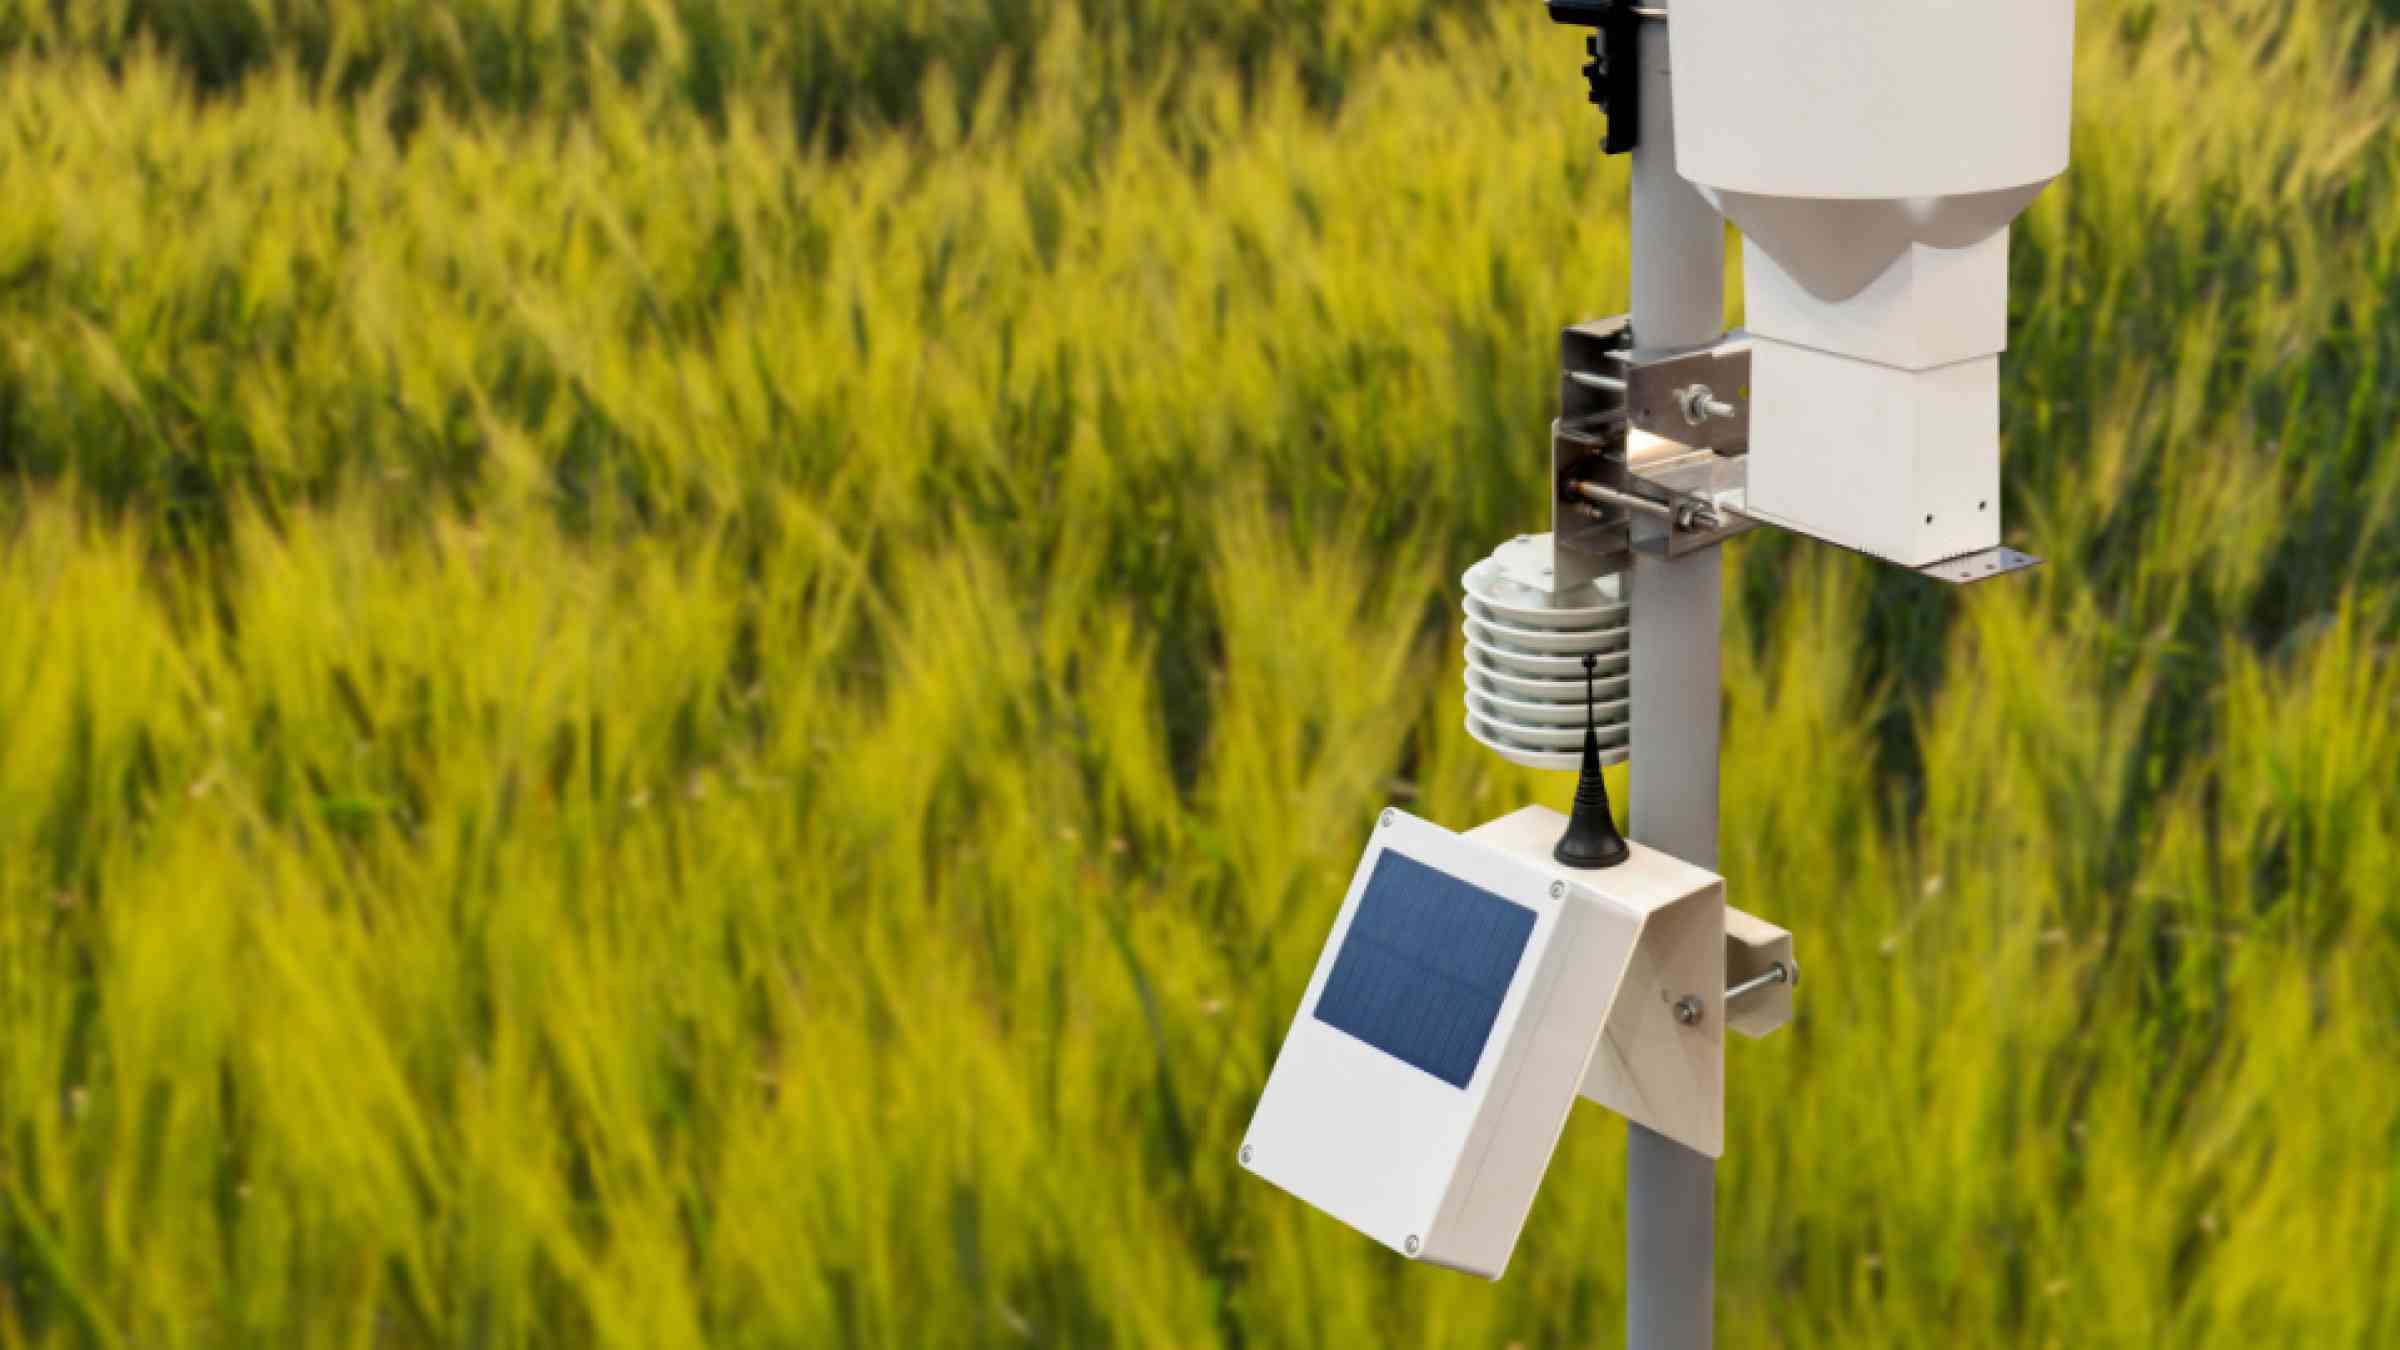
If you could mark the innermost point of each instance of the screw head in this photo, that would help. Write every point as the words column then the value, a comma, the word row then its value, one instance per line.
column 1558, row 890
column 1245, row 1155
column 1687, row 1009
column 1412, row 1244
column 1387, row 817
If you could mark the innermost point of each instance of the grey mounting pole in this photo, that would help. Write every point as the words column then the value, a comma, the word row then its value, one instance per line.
column 1678, row 251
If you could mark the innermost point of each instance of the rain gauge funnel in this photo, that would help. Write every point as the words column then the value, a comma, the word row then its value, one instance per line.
column 1873, row 153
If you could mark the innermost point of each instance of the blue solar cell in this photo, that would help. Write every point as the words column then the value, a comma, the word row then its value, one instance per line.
column 1424, row 967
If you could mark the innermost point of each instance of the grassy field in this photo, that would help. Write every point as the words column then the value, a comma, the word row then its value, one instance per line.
column 702, row 672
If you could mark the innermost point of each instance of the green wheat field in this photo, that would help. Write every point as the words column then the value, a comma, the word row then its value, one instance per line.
column 689, row 672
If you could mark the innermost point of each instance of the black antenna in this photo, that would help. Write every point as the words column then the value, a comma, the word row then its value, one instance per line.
column 1591, row 840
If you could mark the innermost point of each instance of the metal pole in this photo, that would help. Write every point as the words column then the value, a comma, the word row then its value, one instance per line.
column 1678, row 241
column 1678, row 250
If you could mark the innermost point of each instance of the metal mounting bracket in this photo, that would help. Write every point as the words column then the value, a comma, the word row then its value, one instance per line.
column 1696, row 396
column 1588, row 436
column 1697, row 969
column 1688, row 477
column 1979, row 566
column 1644, row 454
column 1650, row 455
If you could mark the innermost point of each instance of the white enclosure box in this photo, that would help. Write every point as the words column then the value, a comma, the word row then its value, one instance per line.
column 1873, row 153
column 1903, row 464
column 1445, row 1036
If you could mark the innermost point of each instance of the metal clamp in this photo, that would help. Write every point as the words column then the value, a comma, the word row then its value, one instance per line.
column 1587, row 438
column 1695, row 396
column 1679, row 489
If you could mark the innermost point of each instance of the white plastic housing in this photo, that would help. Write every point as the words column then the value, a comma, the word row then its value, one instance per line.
column 1903, row 464
column 1930, row 307
column 1440, row 1172
column 1838, row 132
column 1875, row 421
column 1873, row 153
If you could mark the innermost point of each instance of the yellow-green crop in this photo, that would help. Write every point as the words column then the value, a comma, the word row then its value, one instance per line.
column 649, row 696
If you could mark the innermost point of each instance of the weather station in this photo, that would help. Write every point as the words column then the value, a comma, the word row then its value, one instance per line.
column 1475, row 984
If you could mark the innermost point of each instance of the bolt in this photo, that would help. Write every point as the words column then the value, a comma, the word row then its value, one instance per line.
column 1245, row 1155
column 1387, row 817
column 1412, row 1244
column 1687, row 1009
column 1558, row 890
column 1697, row 516
column 1775, row 973
column 1700, row 403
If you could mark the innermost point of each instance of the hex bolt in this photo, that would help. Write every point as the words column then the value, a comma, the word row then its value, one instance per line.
column 1700, row 403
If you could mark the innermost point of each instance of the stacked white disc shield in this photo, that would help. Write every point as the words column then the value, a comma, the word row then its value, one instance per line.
column 1525, row 647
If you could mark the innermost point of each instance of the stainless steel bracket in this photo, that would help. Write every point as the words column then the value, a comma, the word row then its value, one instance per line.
column 1649, row 455
column 1588, row 436
column 1703, row 485
column 1695, row 396
column 1618, row 487
column 1982, row 565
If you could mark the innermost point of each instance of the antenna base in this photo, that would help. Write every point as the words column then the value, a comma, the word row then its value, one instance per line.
column 1591, row 840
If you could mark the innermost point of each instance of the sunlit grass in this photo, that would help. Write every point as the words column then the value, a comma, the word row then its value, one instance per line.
column 619, row 726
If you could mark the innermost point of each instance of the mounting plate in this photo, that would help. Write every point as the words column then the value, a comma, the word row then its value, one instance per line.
column 1658, row 381
column 1981, row 565
column 1674, row 473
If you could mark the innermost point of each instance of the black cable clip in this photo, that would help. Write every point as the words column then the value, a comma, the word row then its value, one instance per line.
column 1614, row 72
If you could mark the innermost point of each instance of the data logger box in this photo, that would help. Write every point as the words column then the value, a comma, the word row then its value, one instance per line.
column 1446, row 1034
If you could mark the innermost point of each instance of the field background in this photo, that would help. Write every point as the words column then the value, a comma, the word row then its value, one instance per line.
column 684, row 671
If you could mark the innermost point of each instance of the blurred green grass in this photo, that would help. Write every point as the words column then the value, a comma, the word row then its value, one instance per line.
column 835, row 68
column 626, row 720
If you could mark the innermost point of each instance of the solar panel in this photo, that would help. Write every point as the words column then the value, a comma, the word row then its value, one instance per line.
column 1424, row 967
